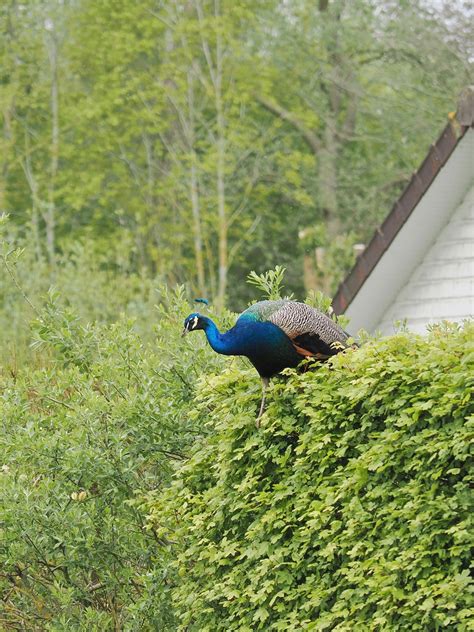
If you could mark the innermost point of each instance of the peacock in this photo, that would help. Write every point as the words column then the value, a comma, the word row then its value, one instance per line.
column 274, row 335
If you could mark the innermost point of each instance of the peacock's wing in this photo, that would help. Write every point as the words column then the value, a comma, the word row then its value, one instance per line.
column 262, row 311
column 313, row 333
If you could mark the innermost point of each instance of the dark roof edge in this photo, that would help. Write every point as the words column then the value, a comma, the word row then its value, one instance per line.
column 406, row 203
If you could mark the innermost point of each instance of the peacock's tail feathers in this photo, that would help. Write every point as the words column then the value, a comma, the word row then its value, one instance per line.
column 297, row 319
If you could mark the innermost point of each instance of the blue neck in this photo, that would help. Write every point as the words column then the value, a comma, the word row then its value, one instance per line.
column 221, row 343
column 266, row 346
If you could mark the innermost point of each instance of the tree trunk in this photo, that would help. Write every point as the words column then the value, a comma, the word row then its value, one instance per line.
column 194, row 190
column 198, row 248
column 50, row 213
column 220, row 170
column 328, row 180
column 7, row 144
column 215, row 69
column 35, row 200
column 221, row 212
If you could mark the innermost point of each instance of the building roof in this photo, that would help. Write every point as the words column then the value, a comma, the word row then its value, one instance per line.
column 378, row 275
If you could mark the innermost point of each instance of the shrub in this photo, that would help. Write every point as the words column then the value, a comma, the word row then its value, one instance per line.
column 348, row 509
column 103, row 422
column 90, row 286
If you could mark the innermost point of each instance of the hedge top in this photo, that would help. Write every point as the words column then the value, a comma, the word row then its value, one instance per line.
column 349, row 508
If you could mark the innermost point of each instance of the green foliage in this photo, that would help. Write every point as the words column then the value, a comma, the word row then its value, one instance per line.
column 270, row 282
column 141, row 127
column 349, row 508
column 101, row 422
column 83, row 282
column 320, row 301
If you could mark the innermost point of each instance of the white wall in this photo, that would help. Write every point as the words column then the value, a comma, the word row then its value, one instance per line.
column 442, row 286
column 373, row 307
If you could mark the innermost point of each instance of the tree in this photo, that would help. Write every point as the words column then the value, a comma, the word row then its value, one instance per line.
column 367, row 59
column 203, row 138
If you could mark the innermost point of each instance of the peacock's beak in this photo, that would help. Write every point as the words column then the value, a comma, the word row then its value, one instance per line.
column 184, row 332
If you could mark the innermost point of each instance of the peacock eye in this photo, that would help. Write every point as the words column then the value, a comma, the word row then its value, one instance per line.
column 194, row 322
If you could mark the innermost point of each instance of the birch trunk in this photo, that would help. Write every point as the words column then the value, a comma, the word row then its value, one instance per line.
column 194, row 192
column 35, row 200
column 196, row 210
column 215, row 69
column 220, row 171
column 49, row 214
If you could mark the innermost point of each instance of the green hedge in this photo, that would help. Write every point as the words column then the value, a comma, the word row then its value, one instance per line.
column 347, row 510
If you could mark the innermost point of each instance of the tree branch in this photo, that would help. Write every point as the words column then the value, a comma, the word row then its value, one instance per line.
column 308, row 136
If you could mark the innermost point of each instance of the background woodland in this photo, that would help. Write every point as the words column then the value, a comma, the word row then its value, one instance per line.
column 194, row 141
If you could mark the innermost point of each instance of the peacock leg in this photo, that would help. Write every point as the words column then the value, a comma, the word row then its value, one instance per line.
column 265, row 383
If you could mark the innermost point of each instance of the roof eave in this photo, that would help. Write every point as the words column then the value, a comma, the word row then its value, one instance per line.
column 384, row 235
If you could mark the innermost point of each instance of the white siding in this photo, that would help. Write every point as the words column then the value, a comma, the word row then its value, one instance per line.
column 442, row 286
column 370, row 308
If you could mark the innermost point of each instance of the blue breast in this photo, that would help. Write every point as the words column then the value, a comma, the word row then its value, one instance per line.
column 266, row 346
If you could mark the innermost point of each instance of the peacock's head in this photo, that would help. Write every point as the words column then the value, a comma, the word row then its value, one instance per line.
column 193, row 322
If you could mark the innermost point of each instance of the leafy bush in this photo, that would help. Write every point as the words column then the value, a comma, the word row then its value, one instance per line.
column 92, row 287
column 103, row 422
column 348, row 509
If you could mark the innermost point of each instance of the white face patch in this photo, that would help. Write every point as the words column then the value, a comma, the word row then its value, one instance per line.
column 194, row 322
